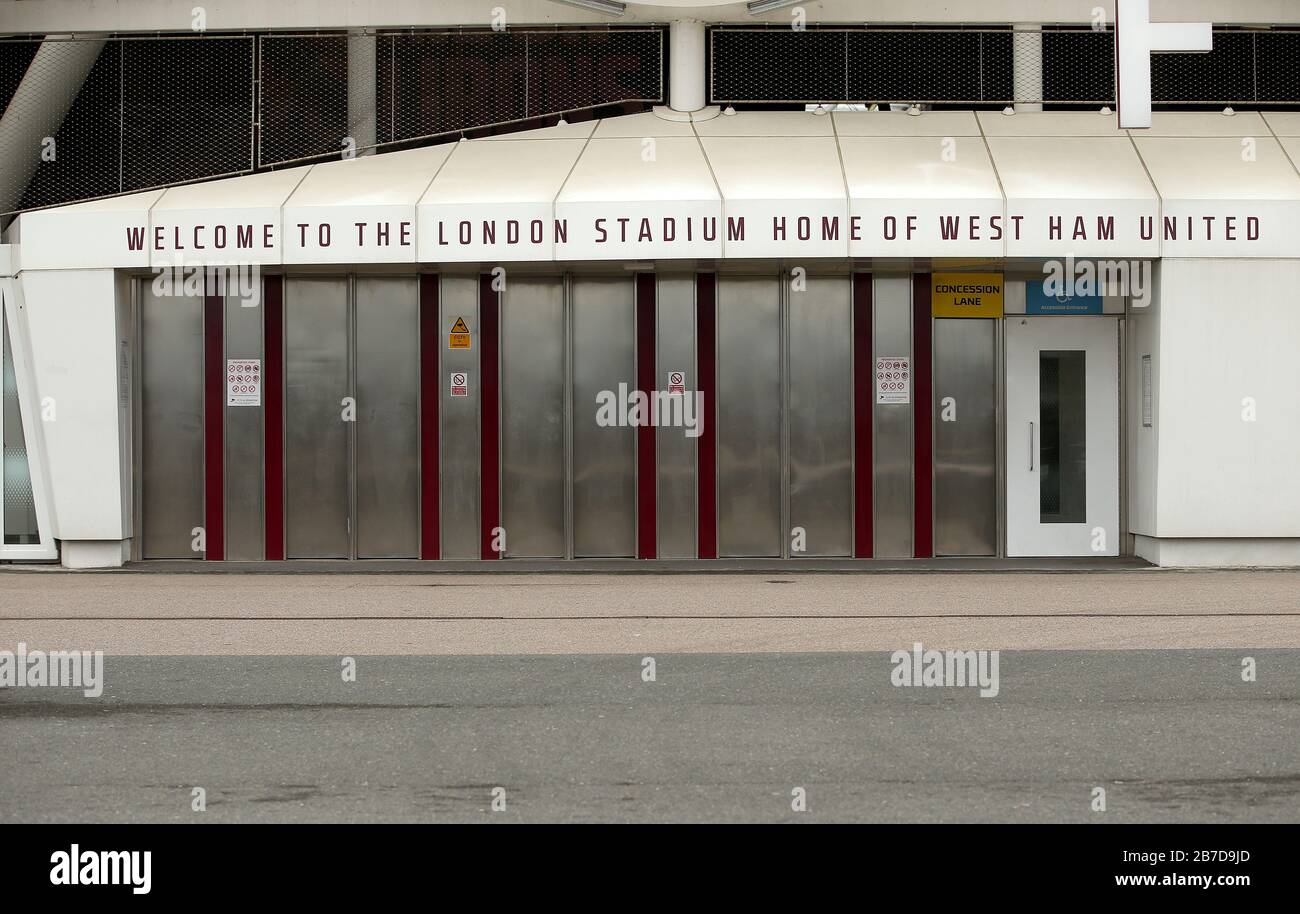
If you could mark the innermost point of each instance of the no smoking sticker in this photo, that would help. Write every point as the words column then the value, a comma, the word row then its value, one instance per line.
column 243, row 382
column 677, row 382
column 459, row 384
column 893, row 379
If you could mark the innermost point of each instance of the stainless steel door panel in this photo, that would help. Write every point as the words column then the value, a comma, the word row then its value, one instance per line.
column 894, row 447
column 604, row 458
column 821, row 415
column 532, row 417
column 965, row 437
column 245, row 527
column 388, row 417
column 749, row 416
column 675, row 351
column 316, row 435
column 459, row 442
column 172, row 435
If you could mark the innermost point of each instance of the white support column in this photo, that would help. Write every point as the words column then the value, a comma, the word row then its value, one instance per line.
column 687, row 65
column 46, row 92
column 361, row 91
column 1027, row 52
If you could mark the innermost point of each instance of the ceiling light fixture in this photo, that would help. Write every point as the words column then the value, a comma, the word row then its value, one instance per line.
column 609, row 7
column 759, row 7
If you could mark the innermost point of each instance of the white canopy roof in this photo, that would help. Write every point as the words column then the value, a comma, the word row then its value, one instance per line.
column 754, row 184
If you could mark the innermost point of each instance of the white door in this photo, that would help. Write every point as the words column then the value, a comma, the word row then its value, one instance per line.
column 1062, row 436
column 24, row 519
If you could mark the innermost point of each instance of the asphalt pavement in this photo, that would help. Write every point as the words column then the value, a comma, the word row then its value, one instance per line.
column 1169, row 736
column 1134, row 696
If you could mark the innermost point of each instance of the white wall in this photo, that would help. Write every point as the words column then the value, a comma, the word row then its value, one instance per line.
column 1142, row 338
column 1227, row 330
column 73, row 325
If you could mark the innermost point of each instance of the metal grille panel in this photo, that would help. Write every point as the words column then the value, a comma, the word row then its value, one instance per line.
column 187, row 109
column 846, row 65
column 303, row 96
column 947, row 66
column 1277, row 55
column 789, row 65
column 1226, row 73
column 15, row 56
column 437, row 83
column 1078, row 66
column 86, row 154
column 162, row 110
column 165, row 110
column 432, row 84
column 975, row 67
column 151, row 112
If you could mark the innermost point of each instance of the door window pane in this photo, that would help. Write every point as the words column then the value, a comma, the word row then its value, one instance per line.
column 19, row 506
column 1062, row 449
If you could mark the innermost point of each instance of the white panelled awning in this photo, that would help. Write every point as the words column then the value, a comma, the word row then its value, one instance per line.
column 640, row 197
column 235, row 220
column 495, row 200
column 93, row 235
column 1223, row 181
column 362, row 209
column 788, row 184
column 781, row 182
column 1073, row 185
column 917, row 184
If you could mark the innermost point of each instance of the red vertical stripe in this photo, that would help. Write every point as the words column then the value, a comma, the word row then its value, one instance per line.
column 489, row 309
column 864, row 398
column 647, row 520
column 922, row 418
column 273, row 413
column 706, row 484
column 430, row 477
column 214, row 425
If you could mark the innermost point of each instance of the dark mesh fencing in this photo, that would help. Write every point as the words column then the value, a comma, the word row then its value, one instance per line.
column 430, row 84
column 975, row 67
column 84, row 159
column 159, row 111
column 163, row 110
column 304, row 96
column 151, row 112
column 187, row 109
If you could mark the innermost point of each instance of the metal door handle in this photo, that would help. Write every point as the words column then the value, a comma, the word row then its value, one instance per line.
column 1031, row 447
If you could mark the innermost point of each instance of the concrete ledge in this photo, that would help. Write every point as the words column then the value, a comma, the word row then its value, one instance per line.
column 81, row 554
column 1240, row 552
column 636, row 566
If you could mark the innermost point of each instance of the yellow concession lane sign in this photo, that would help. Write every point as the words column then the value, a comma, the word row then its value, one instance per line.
column 966, row 294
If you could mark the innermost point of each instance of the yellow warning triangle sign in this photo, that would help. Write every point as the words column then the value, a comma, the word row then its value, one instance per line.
column 460, row 326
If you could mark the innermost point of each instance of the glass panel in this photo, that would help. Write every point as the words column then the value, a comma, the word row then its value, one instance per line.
column 19, row 506
column 1062, row 449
